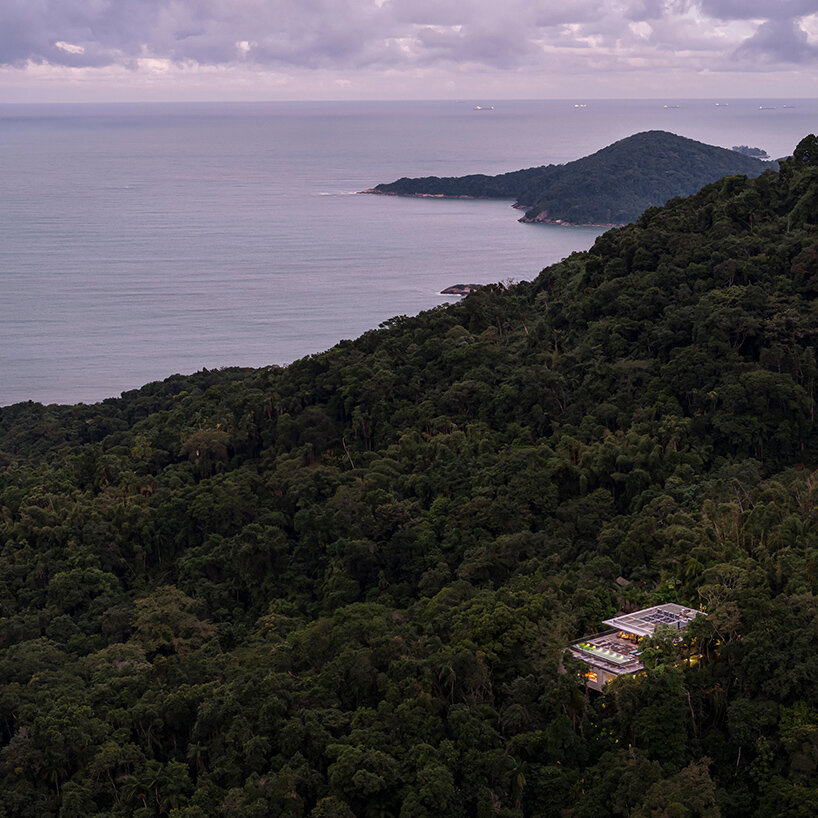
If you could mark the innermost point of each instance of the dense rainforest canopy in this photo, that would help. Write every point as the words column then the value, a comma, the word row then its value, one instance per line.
column 612, row 186
column 344, row 588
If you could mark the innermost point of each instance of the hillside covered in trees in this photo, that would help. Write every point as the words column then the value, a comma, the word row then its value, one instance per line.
column 344, row 588
column 612, row 186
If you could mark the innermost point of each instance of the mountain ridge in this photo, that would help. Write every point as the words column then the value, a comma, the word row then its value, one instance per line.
column 611, row 186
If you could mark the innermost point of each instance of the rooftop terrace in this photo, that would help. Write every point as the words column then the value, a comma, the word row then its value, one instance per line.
column 616, row 652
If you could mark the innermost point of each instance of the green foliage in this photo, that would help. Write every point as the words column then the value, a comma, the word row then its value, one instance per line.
column 344, row 588
column 612, row 186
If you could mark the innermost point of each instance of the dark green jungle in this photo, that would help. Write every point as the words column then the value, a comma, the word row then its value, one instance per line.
column 612, row 186
column 344, row 588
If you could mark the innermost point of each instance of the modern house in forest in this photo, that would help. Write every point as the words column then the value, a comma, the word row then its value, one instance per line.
column 616, row 652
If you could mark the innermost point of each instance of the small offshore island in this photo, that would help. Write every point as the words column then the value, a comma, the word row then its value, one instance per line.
column 609, row 188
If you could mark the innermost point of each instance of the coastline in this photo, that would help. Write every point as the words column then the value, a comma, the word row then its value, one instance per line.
column 540, row 218
column 376, row 192
column 461, row 290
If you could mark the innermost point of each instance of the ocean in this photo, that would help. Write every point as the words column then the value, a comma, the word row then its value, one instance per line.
column 138, row 241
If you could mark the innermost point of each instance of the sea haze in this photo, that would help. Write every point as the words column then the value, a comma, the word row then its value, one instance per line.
column 137, row 241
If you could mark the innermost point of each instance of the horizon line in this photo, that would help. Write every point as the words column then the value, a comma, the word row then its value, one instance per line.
column 454, row 100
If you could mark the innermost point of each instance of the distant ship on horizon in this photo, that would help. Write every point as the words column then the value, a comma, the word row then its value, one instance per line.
column 483, row 108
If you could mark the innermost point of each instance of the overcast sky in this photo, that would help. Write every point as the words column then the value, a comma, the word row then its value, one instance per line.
column 405, row 49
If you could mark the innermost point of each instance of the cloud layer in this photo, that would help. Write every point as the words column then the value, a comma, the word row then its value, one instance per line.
column 349, row 35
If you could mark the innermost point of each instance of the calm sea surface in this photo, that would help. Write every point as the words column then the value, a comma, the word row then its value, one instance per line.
column 137, row 241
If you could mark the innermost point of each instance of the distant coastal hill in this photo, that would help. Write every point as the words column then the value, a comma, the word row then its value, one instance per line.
column 612, row 186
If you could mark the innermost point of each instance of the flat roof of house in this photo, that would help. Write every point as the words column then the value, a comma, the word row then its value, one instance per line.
column 644, row 622
column 606, row 651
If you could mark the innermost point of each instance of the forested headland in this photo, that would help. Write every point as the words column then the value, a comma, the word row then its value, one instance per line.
column 344, row 587
column 612, row 186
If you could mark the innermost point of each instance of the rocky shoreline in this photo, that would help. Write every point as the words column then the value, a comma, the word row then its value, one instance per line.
column 377, row 192
column 461, row 289
column 540, row 218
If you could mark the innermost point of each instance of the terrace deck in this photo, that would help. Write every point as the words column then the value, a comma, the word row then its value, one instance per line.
column 609, row 652
column 616, row 653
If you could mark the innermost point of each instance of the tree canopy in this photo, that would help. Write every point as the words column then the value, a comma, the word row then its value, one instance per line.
column 344, row 587
column 612, row 186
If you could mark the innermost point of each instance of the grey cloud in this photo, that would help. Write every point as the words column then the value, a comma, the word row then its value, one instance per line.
column 349, row 34
column 500, row 48
column 556, row 14
column 310, row 33
column 491, row 13
column 437, row 12
column 778, row 42
column 670, row 35
column 206, row 31
column 758, row 9
column 646, row 10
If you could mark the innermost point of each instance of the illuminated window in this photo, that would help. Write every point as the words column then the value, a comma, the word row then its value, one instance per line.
column 591, row 676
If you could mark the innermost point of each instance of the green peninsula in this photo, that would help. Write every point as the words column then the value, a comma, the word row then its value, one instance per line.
column 344, row 588
column 609, row 187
